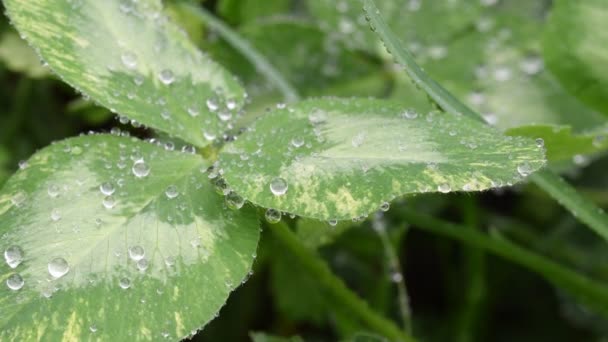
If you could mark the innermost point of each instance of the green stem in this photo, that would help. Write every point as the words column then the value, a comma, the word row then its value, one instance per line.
column 394, row 267
column 586, row 211
column 582, row 208
column 475, row 259
column 334, row 287
column 247, row 50
column 589, row 291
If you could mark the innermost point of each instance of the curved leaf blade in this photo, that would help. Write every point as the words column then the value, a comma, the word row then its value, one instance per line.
column 575, row 50
column 195, row 251
column 343, row 158
column 128, row 57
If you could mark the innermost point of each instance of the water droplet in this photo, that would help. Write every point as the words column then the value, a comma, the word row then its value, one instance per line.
column 53, row 190
column 444, row 188
column 193, row 111
column 396, row 277
column 224, row 115
column 55, row 215
column 524, row 169
column 141, row 169
column 129, row 60
column 297, row 142
column 18, row 198
column 22, row 164
column 15, row 282
column 540, row 143
column 409, row 114
column 13, row 256
column 234, row 200
column 124, row 283
column 209, row 136
column 278, row 186
column 142, row 265
column 107, row 189
column 58, row 267
column 166, row 76
column 136, row 253
column 231, row 104
column 333, row 222
column 109, row 202
column 93, row 328
column 580, row 160
column 385, row 206
column 273, row 216
column 170, row 261
column 171, row 192
column 212, row 104
column 317, row 116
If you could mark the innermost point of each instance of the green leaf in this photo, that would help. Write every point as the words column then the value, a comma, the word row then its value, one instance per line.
column 340, row 159
column 561, row 143
column 128, row 57
column 575, row 50
column 81, row 201
column 262, row 337
column 19, row 57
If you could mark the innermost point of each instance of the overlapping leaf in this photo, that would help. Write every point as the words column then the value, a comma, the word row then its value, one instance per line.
column 339, row 159
column 110, row 238
column 128, row 57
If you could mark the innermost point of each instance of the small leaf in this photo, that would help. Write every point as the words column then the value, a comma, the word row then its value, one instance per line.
column 127, row 56
column 575, row 49
column 561, row 143
column 119, row 240
column 340, row 159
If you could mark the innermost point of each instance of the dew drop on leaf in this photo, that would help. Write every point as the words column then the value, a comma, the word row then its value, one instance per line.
column 53, row 190
column 109, row 202
column 142, row 265
column 444, row 188
column 166, row 76
column 55, row 215
column 140, row 169
column 136, row 253
column 15, row 282
column 234, row 201
column 107, row 189
column 273, row 216
column 278, row 186
column 524, row 169
column 124, row 283
column 172, row 192
column 58, row 267
column 13, row 256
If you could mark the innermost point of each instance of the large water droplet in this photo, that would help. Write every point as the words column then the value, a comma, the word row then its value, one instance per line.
column 136, row 253
column 13, row 256
column 58, row 267
column 15, row 282
column 234, row 200
column 166, row 76
column 385, row 206
column 107, row 188
column 273, row 216
column 278, row 186
column 141, row 169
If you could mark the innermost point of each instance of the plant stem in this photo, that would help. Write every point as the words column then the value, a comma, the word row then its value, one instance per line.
column 246, row 49
column 334, row 286
column 396, row 275
column 585, row 210
column 582, row 208
column 475, row 263
column 589, row 291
